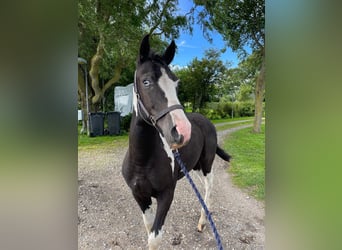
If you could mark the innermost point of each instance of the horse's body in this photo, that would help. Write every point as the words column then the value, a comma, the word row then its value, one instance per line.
column 149, row 167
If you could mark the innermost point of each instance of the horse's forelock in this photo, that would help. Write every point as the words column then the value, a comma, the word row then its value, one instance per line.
column 154, row 58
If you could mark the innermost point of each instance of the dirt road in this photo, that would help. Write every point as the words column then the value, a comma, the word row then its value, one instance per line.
column 109, row 218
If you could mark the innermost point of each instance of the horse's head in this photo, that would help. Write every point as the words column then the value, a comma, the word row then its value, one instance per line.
column 156, row 98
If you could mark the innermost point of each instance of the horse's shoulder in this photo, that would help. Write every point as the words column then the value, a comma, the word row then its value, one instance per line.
column 198, row 119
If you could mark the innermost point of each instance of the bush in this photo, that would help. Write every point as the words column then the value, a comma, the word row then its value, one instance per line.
column 211, row 114
column 245, row 108
column 125, row 122
column 225, row 109
column 221, row 110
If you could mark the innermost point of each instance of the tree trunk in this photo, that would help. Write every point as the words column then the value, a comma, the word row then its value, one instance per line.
column 82, row 93
column 259, row 97
column 94, row 72
column 94, row 75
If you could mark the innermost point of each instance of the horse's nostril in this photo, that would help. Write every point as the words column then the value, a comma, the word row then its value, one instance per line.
column 176, row 136
column 180, row 139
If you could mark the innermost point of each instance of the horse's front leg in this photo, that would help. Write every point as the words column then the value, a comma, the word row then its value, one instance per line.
column 208, row 184
column 164, row 201
column 145, row 203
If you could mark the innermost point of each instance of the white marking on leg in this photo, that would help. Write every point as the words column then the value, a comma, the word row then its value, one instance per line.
column 154, row 240
column 208, row 184
column 199, row 175
column 168, row 152
column 148, row 217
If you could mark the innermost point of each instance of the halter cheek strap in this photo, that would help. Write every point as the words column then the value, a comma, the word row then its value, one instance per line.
column 162, row 113
column 151, row 119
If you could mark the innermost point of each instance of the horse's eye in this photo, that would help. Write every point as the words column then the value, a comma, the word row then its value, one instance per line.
column 146, row 83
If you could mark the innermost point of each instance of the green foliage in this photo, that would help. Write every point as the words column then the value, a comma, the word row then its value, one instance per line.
column 240, row 23
column 112, row 30
column 239, row 83
column 244, row 108
column 245, row 93
column 120, row 25
column 125, row 122
column 213, row 114
column 248, row 163
column 116, row 23
column 221, row 110
column 200, row 80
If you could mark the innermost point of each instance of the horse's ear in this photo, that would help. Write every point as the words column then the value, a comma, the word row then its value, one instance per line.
column 144, row 48
column 169, row 53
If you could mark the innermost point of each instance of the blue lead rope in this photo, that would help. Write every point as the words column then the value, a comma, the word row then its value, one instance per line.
column 207, row 213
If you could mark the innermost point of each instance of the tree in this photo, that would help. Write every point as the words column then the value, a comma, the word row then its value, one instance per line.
column 240, row 23
column 200, row 79
column 109, row 36
column 242, row 77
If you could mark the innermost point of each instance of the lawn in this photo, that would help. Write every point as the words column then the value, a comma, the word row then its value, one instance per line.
column 248, row 162
column 85, row 142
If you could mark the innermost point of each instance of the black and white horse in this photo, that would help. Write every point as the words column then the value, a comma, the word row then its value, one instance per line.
column 159, row 125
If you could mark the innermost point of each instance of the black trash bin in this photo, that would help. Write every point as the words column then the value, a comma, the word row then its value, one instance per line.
column 113, row 119
column 96, row 124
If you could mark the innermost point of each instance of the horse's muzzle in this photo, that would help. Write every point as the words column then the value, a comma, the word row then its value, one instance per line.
column 176, row 137
column 180, row 133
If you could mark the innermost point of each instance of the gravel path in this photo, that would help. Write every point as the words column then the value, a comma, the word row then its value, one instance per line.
column 109, row 218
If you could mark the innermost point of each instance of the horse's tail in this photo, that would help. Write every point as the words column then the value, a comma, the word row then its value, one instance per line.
column 220, row 152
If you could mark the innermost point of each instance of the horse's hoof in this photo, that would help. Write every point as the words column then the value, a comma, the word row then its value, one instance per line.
column 200, row 227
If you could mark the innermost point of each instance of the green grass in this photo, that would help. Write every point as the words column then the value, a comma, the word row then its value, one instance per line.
column 232, row 119
column 85, row 142
column 248, row 162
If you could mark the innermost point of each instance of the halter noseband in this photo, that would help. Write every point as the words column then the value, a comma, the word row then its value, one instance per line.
column 151, row 119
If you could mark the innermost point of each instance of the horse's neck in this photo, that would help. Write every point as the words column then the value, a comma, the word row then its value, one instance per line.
column 142, row 136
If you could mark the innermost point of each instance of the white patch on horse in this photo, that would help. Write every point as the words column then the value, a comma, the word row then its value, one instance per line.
column 168, row 151
column 178, row 116
column 155, row 241
column 169, row 87
column 208, row 185
column 148, row 217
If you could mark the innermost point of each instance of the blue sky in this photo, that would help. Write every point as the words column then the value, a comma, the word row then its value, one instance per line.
column 191, row 46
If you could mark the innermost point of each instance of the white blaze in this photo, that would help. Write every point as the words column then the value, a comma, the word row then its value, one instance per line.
column 169, row 88
column 178, row 116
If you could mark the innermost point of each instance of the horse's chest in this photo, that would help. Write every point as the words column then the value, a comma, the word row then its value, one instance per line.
column 155, row 174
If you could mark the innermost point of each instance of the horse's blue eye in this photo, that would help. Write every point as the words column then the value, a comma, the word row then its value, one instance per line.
column 146, row 83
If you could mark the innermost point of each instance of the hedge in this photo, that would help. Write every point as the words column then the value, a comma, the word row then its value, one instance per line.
column 221, row 110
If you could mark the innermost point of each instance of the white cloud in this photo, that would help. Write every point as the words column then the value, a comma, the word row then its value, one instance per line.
column 184, row 45
column 177, row 67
